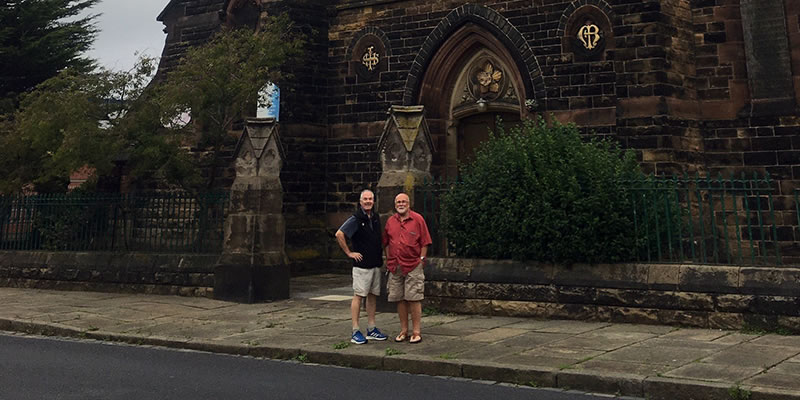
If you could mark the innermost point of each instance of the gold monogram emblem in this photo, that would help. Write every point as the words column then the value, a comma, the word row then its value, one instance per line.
column 370, row 58
column 589, row 35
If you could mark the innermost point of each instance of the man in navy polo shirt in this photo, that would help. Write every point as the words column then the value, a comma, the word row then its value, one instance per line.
column 363, row 229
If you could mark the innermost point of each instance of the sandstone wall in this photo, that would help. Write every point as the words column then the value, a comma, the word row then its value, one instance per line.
column 688, row 295
column 179, row 274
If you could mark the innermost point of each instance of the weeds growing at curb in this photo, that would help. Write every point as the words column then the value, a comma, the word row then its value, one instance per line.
column 447, row 356
column 532, row 383
column 302, row 358
column 92, row 329
column 393, row 352
column 341, row 345
column 737, row 393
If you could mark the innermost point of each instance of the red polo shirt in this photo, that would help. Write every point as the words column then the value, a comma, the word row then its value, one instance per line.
column 405, row 239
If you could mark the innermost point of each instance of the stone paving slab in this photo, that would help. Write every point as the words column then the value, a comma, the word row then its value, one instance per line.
column 773, row 340
column 571, row 327
column 775, row 380
column 492, row 352
column 749, row 354
column 629, row 368
column 643, row 361
column 647, row 354
column 706, row 335
column 734, row 338
column 606, row 342
column 791, row 368
column 494, row 335
column 638, row 328
column 533, row 339
column 714, row 372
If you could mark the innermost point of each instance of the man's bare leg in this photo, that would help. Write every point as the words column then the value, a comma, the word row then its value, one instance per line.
column 402, row 313
column 416, row 316
column 355, row 310
column 371, row 301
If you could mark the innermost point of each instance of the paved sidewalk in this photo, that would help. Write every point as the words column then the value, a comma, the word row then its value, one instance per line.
column 654, row 362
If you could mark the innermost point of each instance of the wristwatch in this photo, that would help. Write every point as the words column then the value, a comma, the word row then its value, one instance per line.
column 422, row 258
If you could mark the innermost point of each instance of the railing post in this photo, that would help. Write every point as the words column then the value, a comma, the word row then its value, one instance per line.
column 724, row 218
column 775, row 242
column 253, row 266
column 406, row 153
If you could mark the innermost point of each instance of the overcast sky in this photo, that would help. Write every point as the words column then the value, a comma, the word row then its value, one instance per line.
column 127, row 26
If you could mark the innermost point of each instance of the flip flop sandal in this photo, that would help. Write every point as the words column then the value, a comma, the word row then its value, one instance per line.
column 401, row 337
column 415, row 339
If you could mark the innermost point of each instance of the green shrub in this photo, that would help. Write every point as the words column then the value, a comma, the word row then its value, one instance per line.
column 540, row 192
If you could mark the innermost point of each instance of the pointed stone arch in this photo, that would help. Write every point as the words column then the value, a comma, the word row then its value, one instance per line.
column 501, row 31
column 242, row 13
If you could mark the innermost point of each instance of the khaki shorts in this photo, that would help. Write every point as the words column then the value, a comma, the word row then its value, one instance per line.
column 408, row 288
column 366, row 280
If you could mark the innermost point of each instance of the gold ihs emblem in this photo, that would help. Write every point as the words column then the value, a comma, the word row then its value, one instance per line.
column 589, row 35
column 370, row 58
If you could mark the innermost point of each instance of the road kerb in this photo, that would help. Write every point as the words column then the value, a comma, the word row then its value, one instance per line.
column 601, row 382
column 652, row 388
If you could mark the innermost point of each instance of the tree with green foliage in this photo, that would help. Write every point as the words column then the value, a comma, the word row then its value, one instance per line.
column 38, row 39
column 97, row 119
column 220, row 82
column 540, row 192
column 72, row 120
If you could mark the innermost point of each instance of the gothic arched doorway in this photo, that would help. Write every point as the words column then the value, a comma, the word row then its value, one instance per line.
column 474, row 130
column 470, row 82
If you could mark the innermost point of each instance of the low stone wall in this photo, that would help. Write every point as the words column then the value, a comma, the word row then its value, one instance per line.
column 173, row 274
column 703, row 296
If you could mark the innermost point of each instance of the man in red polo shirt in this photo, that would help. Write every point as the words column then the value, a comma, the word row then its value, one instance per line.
column 406, row 240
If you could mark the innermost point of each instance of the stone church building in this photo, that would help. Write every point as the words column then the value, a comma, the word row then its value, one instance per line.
column 708, row 86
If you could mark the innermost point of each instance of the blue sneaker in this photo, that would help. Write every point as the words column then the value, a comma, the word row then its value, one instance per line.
column 375, row 334
column 358, row 338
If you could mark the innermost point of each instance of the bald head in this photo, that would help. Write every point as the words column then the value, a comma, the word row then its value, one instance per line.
column 402, row 204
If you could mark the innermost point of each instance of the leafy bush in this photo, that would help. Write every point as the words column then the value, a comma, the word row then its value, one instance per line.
column 71, row 221
column 540, row 192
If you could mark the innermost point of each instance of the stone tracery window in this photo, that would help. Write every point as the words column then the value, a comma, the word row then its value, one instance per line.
column 485, row 79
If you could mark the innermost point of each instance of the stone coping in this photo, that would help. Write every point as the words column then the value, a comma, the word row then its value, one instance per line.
column 767, row 280
column 110, row 260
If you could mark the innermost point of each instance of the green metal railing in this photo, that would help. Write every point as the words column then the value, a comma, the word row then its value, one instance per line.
column 689, row 219
column 705, row 220
column 173, row 222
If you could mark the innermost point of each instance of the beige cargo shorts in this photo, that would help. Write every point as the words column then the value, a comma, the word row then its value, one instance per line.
column 409, row 287
column 366, row 281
